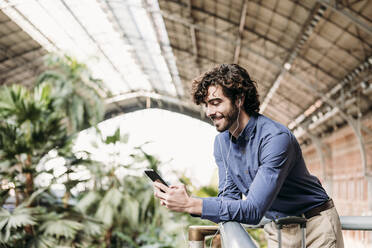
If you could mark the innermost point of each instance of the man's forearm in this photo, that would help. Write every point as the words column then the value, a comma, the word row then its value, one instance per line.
column 195, row 206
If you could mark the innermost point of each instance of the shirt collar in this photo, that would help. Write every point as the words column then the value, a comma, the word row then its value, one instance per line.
column 247, row 131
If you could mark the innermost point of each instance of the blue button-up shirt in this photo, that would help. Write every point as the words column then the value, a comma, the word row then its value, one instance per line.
column 265, row 164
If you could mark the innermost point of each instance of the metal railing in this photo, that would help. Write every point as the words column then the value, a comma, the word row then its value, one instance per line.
column 234, row 234
column 359, row 223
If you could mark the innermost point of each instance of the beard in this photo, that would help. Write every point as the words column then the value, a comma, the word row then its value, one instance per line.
column 228, row 119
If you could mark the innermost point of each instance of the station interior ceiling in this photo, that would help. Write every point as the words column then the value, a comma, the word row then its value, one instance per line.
column 312, row 59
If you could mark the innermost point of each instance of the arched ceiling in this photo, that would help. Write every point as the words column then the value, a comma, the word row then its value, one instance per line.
column 312, row 59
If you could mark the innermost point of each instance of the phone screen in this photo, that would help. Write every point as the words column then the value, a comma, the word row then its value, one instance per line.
column 154, row 176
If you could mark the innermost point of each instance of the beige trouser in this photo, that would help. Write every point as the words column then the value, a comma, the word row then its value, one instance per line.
column 323, row 231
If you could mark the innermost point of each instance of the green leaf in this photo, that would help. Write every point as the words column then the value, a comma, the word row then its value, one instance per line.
column 126, row 238
column 43, row 241
column 113, row 138
column 20, row 217
column 90, row 198
column 108, row 206
column 61, row 228
column 105, row 213
column 92, row 228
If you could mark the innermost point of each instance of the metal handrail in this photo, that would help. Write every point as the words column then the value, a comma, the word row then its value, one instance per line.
column 234, row 235
column 360, row 223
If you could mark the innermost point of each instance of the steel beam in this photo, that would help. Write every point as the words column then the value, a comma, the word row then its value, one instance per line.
column 125, row 103
column 346, row 13
column 243, row 15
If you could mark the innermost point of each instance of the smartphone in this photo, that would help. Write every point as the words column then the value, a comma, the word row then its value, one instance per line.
column 154, row 176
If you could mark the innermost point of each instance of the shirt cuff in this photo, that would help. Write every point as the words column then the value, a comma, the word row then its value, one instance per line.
column 211, row 209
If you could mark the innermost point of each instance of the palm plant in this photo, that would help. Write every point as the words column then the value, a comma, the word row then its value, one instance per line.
column 30, row 126
column 33, row 123
column 77, row 92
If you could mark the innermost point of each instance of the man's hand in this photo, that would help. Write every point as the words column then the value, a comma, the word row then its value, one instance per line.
column 177, row 199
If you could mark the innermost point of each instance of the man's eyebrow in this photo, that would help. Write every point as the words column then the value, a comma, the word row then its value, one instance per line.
column 213, row 99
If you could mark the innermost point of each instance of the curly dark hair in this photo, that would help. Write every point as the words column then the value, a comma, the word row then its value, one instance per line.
column 235, row 82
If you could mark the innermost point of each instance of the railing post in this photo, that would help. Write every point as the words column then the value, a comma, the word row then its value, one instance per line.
column 198, row 233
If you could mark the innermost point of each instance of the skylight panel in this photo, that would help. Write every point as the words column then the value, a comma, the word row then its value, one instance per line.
column 148, row 33
column 164, row 40
column 129, row 59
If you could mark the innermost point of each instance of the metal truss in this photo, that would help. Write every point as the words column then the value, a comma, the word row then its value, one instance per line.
column 302, row 37
column 125, row 103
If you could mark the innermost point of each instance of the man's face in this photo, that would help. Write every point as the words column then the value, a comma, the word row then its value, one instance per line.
column 220, row 109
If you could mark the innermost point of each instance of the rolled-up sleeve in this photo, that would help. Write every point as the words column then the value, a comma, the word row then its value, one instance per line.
column 275, row 154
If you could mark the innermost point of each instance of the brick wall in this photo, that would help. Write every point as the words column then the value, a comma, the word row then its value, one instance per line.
column 343, row 177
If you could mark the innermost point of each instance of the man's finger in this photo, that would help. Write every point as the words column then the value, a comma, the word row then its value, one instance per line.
column 161, row 186
column 159, row 194
column 178, row 186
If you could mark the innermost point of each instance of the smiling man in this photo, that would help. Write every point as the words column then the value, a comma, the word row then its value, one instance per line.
column 260, row 159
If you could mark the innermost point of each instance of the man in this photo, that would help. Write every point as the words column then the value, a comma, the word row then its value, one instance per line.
column 260, row 159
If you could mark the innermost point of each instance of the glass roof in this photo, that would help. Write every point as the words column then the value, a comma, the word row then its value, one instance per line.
column 122, row 42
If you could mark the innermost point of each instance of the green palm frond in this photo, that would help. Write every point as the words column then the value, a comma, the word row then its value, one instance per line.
column 88, row 200
column 43, row 241
column 12, row 141
column 58, row 227
column 108, row 206
column 125, row 237
column 131, row 212
column 12, row 99
column 20, row 217
column 76, row 92
column 105, row 213
column 29, row 123
column 91, row 228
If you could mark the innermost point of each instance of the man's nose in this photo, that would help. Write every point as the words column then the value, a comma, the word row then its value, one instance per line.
column 210, row 112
